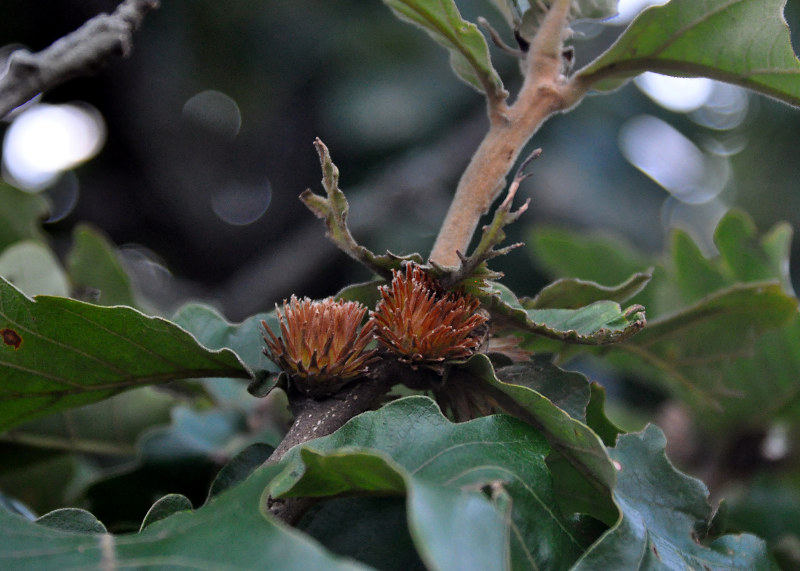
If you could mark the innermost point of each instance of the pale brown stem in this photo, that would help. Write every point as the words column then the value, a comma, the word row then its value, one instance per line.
column 545, row 92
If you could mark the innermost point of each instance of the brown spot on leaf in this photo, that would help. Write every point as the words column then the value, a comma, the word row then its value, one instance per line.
column 11, row 337
column 655, row 551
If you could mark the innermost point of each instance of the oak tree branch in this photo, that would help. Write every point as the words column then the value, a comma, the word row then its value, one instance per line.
column 82, row 52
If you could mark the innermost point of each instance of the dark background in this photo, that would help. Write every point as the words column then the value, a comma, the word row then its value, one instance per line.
column 400, row 127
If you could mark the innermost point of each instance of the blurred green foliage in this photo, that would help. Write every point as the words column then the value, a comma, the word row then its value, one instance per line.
column 717, row 362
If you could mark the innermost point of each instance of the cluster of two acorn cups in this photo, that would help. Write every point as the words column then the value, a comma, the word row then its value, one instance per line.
column 323, row 346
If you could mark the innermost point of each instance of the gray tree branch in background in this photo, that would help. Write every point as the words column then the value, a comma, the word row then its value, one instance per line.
column 83, row 52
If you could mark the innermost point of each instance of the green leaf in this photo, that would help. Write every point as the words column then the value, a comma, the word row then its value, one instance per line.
column 32, row 267
column 373, row 530
column 571, row 293
column 231, row 532
column 215, row 332
column 775, row 364
column 240, row 467
column 165, row 507
column 595, row 324
column 709, row 352
column 599, row 323
column 437, row 514
column 743, row 257
column 20, row 215
column 94, row 266
column 776, row 245
column 193, row 435
column 445, row 542
column 109, row 427
column 245, row 339
column 769, row 507
column 575, row 442
column 596, row 417
column 341, row 472
column 469, row 54
column 366, row 293
column 745, row 42
column 688, row 350
column 727, row 383
column 695, row 276
column 59, row 353
column 443, row 469
column 73, row 520
column 568, row 390
column 663, row 515
column 686, row 276
column 566, row 254
column 750, row 259
column 598, row 258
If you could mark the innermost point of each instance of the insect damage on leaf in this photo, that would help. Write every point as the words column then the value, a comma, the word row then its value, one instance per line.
column 11, row 337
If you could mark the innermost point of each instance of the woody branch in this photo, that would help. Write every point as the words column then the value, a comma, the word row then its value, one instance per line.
column 82, row 52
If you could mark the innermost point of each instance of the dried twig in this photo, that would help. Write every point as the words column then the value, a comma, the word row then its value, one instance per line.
column 83, row 52
column 333, row 208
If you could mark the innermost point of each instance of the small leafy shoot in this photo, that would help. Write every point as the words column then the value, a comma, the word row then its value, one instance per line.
column 473, row 274
column 334, row 209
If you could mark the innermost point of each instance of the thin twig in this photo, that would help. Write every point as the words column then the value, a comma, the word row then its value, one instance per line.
column 521, row 174
column 421, row 177
column 83, row 52
column 334, row 209
column 498, row 41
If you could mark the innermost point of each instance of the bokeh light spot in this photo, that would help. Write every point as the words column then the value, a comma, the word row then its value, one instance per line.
column 215, row 111
column 679, row 94
column 629, row 9
column 669, row 158
column 46, row 140
column 725, row 109
column 239, row 204
column 62, row 197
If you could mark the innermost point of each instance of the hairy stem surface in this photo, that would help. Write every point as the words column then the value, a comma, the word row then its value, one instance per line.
column 545, row 91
